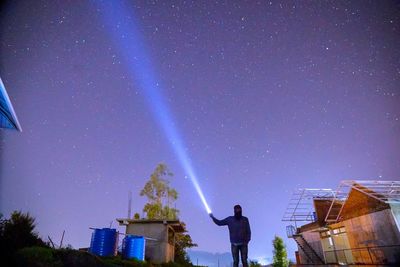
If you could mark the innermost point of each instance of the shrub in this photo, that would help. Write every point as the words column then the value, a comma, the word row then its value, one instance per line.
column 118, row 261
column 254, row 264
column 36, row 257
column 17, row 233
column 76, row 258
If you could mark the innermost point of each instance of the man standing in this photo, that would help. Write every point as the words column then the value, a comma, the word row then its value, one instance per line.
column 239, row 233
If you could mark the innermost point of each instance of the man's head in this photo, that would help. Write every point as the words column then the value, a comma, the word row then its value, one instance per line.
column 237, row 210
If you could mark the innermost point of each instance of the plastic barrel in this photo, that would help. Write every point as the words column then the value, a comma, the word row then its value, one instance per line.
column 133, row 247
column 104, row 242
column 315, row 218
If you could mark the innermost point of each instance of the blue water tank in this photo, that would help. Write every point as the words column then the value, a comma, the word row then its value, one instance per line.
column 133, row 247
column 315, row 218
column 104, row 242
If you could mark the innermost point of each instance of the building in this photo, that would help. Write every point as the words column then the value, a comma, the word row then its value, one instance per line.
column 159, row 234
column 359, row 223
column 8, row 118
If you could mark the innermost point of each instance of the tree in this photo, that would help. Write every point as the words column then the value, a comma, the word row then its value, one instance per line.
column 280, row 254
column 160, row 195
column 182, row 242
column 16, row 233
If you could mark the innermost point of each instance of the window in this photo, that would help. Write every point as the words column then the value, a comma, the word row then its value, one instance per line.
column 324, row 234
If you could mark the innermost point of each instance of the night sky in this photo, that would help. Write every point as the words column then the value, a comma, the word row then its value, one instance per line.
column 267, row 97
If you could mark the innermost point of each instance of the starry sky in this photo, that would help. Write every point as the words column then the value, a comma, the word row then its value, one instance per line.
column 267, row 96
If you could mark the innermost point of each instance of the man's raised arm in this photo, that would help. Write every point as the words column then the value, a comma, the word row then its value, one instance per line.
column 219, row 222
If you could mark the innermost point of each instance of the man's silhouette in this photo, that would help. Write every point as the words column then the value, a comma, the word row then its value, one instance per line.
column 239, row 233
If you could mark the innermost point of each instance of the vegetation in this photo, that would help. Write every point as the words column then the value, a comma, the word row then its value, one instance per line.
column 45, row 256
column 16, row 233
column 36, row 256
column 280, row 254
column 20, row 245
column 41, row 256
column 254, row 264
column 182, row 242
column 161, row 196
column 118, row 261
column 171, row 264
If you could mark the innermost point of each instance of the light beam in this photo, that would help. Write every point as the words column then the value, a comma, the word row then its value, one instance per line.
column 120, row 21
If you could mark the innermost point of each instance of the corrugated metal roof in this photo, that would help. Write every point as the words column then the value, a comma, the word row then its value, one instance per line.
column 8, row 118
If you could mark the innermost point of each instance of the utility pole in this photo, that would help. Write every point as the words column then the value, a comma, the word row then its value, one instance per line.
column 129, row 204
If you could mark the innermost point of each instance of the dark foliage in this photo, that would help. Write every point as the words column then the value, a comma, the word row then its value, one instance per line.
column 36, row 257
column 182, row 242
column 173, row 264
column 17, row 233
column 46, row 257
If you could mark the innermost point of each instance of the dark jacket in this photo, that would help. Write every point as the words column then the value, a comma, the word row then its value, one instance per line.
column 239, row 229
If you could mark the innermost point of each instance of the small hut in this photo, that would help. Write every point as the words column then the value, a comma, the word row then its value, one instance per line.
column 159, row 234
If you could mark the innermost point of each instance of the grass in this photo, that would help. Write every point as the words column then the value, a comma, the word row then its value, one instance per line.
column 48, row 257
column 36, row 257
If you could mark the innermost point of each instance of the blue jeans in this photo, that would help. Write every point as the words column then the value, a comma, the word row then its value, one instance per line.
column 243, row 254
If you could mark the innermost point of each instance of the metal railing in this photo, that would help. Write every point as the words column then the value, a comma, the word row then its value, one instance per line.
column 365, row 255
column 291, row 231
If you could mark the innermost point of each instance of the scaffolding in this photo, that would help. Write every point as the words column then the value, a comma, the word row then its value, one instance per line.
column 320, row 241
column 301, row 208
column 385, row 191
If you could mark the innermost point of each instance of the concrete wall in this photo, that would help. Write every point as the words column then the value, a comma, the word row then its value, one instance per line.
column 154, row 230
column 159, row 250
